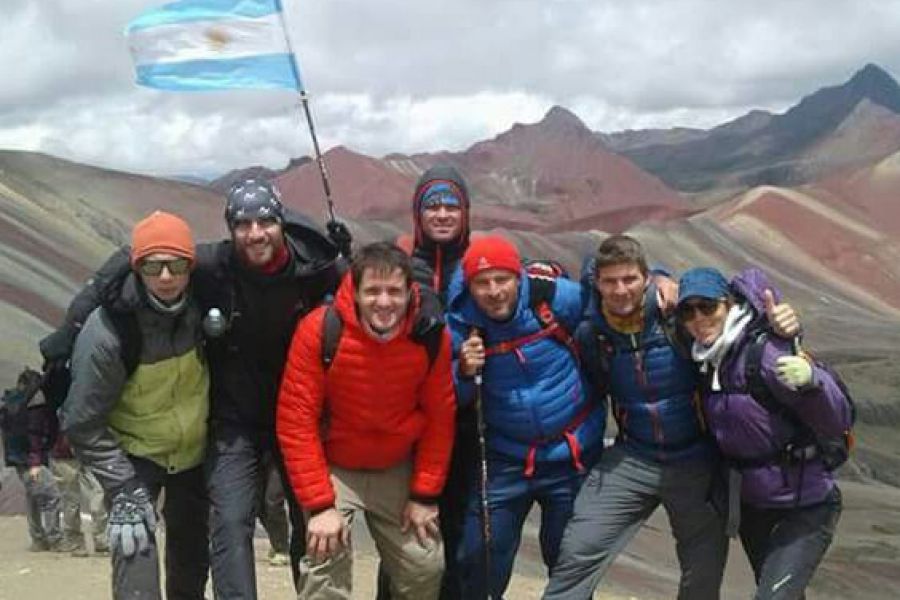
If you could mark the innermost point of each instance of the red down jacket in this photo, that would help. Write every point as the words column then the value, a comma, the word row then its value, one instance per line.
column 379, row 402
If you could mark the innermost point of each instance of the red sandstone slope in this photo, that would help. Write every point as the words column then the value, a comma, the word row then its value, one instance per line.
column 554, row 175
column 826, row 240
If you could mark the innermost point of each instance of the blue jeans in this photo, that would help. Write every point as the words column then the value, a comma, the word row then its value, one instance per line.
column 511, row 496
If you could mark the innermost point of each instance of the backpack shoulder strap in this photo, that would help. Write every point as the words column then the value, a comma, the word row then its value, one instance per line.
column 332, row 328
column 128, row 331
column 431, row 341
column 542, row 290
column 756, row 385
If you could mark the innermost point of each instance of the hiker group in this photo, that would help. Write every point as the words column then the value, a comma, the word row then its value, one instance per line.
column 439, row 387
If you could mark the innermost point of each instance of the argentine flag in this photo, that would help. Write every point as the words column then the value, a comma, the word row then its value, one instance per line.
column 199, row 45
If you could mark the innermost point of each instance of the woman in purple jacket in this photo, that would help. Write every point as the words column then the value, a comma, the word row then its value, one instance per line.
column 771, row 411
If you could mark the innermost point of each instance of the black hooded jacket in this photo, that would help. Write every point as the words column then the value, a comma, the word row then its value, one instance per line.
column 435, row 263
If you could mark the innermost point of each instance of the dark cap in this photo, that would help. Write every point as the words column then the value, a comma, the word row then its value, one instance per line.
column 252, row 199
column 702, row 282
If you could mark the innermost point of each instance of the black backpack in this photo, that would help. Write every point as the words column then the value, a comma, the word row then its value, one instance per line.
column 58, row 376
column 834, row 451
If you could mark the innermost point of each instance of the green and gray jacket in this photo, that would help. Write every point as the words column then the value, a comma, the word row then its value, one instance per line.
column 159, row 412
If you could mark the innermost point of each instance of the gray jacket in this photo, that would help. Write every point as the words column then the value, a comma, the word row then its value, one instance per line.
column 159, row 411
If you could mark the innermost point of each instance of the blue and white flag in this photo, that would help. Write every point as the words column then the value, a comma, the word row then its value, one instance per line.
column 199, row 45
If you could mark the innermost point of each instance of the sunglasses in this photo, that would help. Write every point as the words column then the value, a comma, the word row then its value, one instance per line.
column 176, row 266
column 705, row 306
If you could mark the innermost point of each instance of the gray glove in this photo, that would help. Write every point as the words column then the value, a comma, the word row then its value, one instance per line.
column 132, row 518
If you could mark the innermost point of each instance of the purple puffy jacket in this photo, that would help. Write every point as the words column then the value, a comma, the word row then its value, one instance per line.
column 745, row 430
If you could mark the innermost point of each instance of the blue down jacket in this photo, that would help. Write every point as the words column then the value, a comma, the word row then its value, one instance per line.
column 538, row 405
column 652, row 381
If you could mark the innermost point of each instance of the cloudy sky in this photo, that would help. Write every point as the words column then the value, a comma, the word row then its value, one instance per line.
column 423, row 75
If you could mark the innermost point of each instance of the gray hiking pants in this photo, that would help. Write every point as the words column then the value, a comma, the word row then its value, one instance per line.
column 42, row 505
column 620, row 493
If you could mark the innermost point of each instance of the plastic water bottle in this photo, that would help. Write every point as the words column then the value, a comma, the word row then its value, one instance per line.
column 214, row 324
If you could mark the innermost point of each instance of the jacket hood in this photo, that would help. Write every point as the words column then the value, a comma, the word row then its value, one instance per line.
column 750, row 285
column 345, row 304
column 448, row 174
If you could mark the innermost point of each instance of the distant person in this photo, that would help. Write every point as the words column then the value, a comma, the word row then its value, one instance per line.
column 368, row 430
column 142, row 428
column 80, row 492
column 544, row 423
column 662, row 454
column 770, row 410
column 28, row 424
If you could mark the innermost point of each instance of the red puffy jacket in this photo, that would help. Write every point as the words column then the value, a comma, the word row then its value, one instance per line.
column 378, row 405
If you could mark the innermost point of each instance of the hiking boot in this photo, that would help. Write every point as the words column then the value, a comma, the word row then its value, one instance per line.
column 38, row 546
column 67, row 544
column 278, row 559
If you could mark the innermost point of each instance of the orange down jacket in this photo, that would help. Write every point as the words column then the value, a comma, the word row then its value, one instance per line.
column 377, row 406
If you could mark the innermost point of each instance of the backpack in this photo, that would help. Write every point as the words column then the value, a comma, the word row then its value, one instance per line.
column 333, row 328
column 833, row 451
column 542, row 276
column 58, row 376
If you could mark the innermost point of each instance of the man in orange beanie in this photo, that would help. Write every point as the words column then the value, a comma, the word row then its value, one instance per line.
column 136, row 414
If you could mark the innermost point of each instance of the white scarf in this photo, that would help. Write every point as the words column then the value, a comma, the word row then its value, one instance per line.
column 711, row 356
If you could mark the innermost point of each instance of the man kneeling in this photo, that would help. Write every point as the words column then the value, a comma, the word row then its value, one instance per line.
column 365, row 422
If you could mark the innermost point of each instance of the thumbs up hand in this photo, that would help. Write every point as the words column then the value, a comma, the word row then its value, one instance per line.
column 782, row 317
column 471, row 355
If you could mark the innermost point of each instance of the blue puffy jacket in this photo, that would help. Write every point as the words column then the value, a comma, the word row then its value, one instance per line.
column 652, row 383
column 538, row 405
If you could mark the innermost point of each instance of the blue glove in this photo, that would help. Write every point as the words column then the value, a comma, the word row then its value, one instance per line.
column 132, row 518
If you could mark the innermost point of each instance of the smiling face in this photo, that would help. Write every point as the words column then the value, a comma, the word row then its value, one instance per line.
column 258, row 241
column 621, row 286
column 442, row 223
column 166, row 276
column 382, row 298
column 496, row 292
column 703, row 318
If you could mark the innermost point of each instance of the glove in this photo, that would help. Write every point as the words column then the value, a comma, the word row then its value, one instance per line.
column 794, row 371
column 132, row 518
column 341, row 237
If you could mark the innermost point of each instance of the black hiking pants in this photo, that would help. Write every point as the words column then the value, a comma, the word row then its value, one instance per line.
column 184, row 518
column 237, row 462
column 785, row 546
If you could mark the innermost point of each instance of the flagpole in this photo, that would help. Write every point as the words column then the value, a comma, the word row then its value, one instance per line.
column 304, row 102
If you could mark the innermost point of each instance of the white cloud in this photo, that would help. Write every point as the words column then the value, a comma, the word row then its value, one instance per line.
column 427, row 75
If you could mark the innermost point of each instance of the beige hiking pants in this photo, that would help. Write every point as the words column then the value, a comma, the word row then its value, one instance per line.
column 415, row 572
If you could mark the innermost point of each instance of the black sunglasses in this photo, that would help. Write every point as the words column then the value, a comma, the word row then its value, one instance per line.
column 706, row 306
column 176, row 266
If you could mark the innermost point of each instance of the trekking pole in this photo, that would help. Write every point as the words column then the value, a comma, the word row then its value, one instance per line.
column 483, row 489
column 304, row 102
